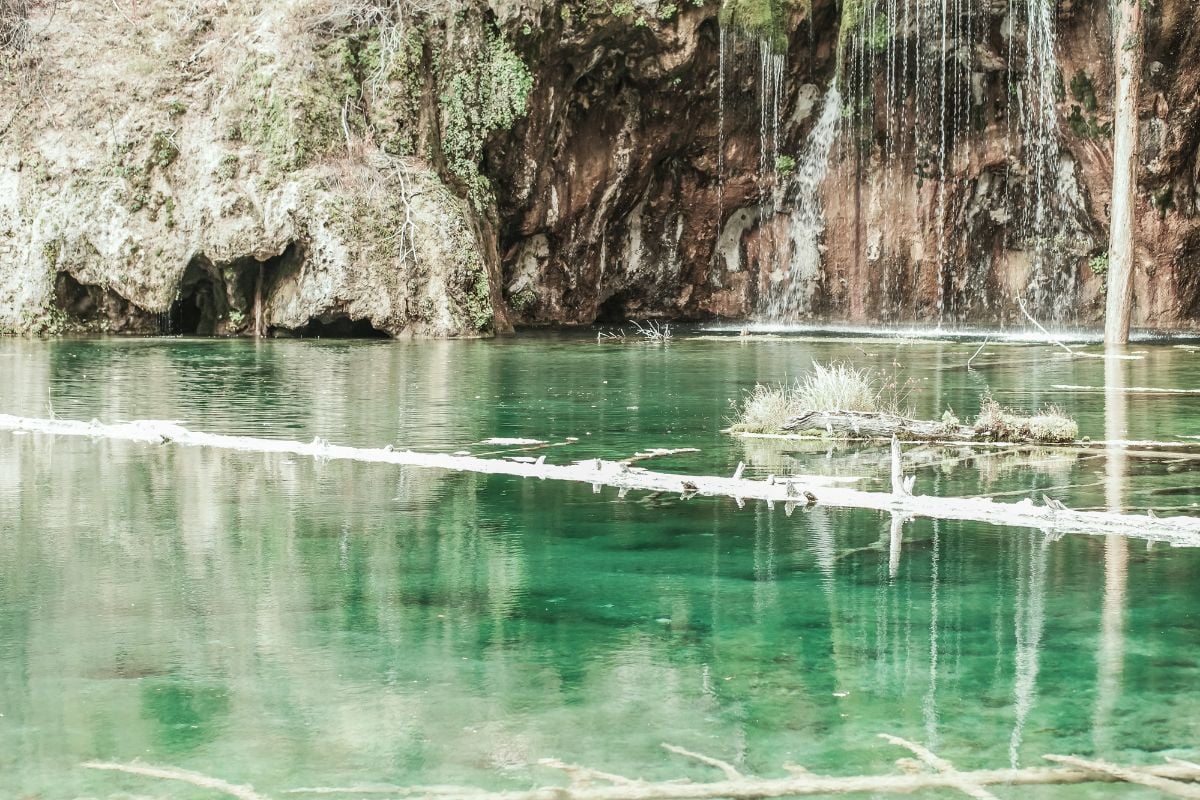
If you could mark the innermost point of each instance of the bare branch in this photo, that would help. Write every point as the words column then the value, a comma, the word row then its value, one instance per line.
column 959, row 780
column 182, row 775
column 585, row 776
column 1141, row 777
column 729, row 770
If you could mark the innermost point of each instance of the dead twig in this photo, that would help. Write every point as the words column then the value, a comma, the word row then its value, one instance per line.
column 585, row 776
column 980, row 350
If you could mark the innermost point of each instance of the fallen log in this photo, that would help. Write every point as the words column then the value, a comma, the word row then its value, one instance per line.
column 796, row 491
column 884, row 426
column 874, row 425
column 1135, row 775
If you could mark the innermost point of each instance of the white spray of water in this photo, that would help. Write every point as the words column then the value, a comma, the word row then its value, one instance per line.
column 790, row 293
column 1043, row 218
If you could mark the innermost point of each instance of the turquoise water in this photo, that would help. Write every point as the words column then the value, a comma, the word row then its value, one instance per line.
column 288, row 623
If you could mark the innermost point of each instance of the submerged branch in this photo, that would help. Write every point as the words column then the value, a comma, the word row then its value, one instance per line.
column 960, row 781
column 1171, row 777
column 1137, row 775
column 182, row 775
column 794, row 491
column 730, row 771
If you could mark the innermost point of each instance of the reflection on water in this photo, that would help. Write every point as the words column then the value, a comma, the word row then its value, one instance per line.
column 1030, row 621
column 289, row 622
column 929, row 706
column 1110, row 654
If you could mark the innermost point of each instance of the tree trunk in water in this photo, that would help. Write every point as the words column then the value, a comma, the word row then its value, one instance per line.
column 1128, row 47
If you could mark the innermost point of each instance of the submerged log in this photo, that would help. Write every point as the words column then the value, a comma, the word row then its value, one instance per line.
column 793, row 491
column 735, row 786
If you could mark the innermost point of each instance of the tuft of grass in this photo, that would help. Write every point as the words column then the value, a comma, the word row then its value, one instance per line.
column 837, row 386
column 765, row 408
column 842, row 387
column 1050, row 425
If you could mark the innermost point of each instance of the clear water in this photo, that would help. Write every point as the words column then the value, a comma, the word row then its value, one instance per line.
column 288, row 623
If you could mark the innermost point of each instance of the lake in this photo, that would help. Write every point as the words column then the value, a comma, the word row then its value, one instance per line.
column 289, row 622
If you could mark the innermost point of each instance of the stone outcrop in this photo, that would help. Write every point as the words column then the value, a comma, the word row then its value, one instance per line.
column 204, row 168
column 410, row 168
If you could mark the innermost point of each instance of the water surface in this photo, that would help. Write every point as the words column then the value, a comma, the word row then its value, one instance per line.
column 287, row 622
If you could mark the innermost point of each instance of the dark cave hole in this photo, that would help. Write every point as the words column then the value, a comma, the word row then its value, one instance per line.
column 340, row 326
column 201, row 303
column 220, row 299
column 93, row 305
column 75, row 299
column 615, row 309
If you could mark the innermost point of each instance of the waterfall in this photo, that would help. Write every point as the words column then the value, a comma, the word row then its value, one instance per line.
column 770, row 93
column 770, row 179
column 920, row 60
column 1039, row 122
column 790, row 294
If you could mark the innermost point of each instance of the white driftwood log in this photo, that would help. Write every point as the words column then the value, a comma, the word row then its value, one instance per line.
column 792, row 491
column 799, row 784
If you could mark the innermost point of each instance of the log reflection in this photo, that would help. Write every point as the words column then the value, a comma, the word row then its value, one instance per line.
column 1110, row 654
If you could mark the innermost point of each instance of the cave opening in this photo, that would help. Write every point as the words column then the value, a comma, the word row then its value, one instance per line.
column 616, row 309
column 229, row 298
column 201, row 303
column 340, row 326
column 97, row 306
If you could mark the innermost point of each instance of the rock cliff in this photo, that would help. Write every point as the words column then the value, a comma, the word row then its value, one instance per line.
column 417, row 168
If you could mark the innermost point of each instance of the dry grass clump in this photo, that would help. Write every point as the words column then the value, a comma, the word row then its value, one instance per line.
column 650, row 331
column 833, row 387
column 766, row 408
column 1049, row 425
column 839, row 387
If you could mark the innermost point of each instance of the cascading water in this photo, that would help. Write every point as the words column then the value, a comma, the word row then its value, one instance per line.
column 1039, row 122
column 734, row 41
column 790, row 293
column 914, row 63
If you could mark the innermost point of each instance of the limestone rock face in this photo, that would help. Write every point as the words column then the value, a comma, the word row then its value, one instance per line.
column 210, row 173
column 407, row 168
